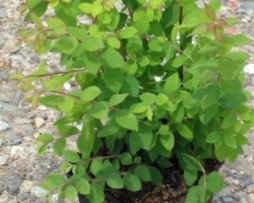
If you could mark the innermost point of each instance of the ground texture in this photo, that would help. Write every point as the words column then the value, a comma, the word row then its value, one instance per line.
column 21, row 170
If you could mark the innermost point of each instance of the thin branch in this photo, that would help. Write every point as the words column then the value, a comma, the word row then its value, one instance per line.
column 56, row 73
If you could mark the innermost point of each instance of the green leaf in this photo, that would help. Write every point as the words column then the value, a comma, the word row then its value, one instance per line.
column 126, row 158
column 117, row 99
column 65, row 45
column 214, row 182
column 132, row 182
column 179, row 61
column 207, row 114
column 168, row 140
column 229, row 121
column 127, row 120
column 221, row 151
column 210, row 12
column 156, row 176
column 110, row 128
column 115, row 181
column 190, row 176
column 140, row 108
column 240, row 40
column 83, row 186
column 144, row 138
column 114, row 42
column 53, row 181
column 128, row 32
column 70, row 192
column 143, row 173
column 59, row 146
column 172, row 84
column 161, row 99
column 97, row 193
column 131, row 86
column 71, row 156
column 184, row 131
column 213, row 137
column 85, row 141
column 90, row 93
column 67, row 104
column 100, row 110
column 92, row 62
column 190, row 162
column 67, row 130
column 211, row 96
column 86, row 7
column 44, row 138
column 65, row 167
column 112, row 58
column 96, row 166
column 194, row 194
column 113, row 79
column 229, row 140
column 91, row 43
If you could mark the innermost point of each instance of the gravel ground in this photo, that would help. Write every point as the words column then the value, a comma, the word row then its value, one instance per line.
column 21, row 170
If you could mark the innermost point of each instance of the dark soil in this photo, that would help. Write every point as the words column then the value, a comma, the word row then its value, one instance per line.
column 173, row 189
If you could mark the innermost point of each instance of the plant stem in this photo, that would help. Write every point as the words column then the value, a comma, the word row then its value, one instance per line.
column 56, row 73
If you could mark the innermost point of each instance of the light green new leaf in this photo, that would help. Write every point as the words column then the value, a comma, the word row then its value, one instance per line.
column 229, row 140
column 86, row 8
column 117, row 99
column 91, row 43
column 161, row 99
column 168, row 140
column 114, row 42
column 128, row 32
column 90, row 93
column 184, row 131
column 172, row 84
column 112, row 58
column 67, row 104
column 83, row 186
column 213, row 137
column 127, row 120
column 44, row 138
column 100, row 110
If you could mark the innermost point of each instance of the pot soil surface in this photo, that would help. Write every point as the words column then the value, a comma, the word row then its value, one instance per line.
column 173, row 189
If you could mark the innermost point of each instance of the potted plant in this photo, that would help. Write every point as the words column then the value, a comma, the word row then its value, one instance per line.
column 157, row 90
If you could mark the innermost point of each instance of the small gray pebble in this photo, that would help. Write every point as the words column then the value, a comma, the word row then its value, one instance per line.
column 246, row 181
column 13, row 183
column 239, row 195
column 243, row 200
column 4, row 126
column 2, row 185
column 23, row 196
column 227, row 199
column 14, row 139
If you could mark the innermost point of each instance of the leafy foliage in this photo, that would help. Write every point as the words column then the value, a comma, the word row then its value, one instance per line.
column 155, row 81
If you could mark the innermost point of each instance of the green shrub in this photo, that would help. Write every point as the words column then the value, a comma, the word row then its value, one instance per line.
column 155, row 81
